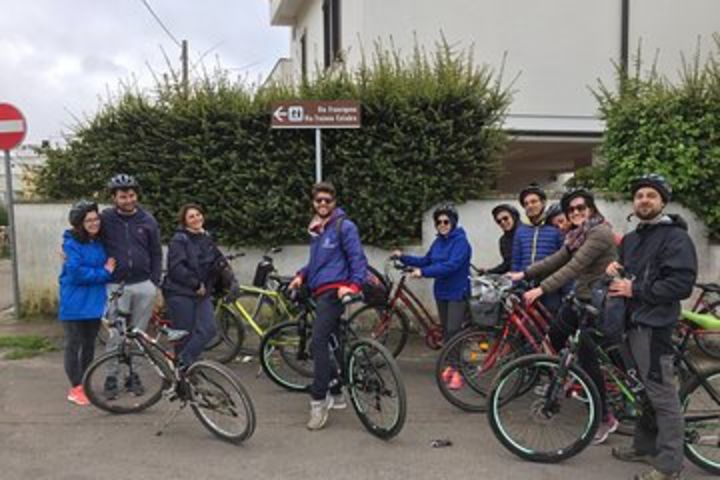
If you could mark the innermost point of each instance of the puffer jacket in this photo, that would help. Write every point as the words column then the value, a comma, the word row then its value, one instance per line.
column 532, row 243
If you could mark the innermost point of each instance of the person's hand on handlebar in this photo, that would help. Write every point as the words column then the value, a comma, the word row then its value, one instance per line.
column 515, row 276
column 296, row 282
column 343, row 291
column 416, row 273
column 533, row 294
column 396, row 254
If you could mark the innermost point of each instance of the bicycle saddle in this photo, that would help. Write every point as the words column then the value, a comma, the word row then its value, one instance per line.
column 709, row 287
column 173, row 334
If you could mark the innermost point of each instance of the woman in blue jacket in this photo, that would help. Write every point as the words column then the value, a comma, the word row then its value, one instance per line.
column 448, row 262
column 85, row 272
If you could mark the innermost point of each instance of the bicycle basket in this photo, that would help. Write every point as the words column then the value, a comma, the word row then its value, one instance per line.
column 264, row 268
column 484, row 314
column 486, row 300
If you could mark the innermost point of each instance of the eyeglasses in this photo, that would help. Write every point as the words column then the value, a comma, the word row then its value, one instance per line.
column 325, row 200
column 503, row 219
column 442, row 222
column 577, row 208
column 90, row 221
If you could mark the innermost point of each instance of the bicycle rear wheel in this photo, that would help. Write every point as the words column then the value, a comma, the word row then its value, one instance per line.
column 390, row 327
column 220, row 402
column 477, row 356
column 701, row 408
column 551, row 421
column 138, row 382
column 228, row 340
column 376, row 389
column 285, row 355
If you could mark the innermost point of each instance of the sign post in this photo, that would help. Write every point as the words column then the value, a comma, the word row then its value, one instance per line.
column 12, row 133
column 317, row 114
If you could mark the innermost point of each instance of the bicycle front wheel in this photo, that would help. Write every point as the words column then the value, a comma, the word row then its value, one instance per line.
column 124, row 382
column 701, row 409
column 376, row 389
column 554, row 419
column 390, row 327
column 220, row 402
column 285, row 356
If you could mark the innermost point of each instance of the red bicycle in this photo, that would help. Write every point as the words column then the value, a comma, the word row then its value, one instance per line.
column 389, row 323
column 506, row 330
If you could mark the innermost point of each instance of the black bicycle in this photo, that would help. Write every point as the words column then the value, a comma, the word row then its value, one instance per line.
column 143, row 371
column 547, row 409
column 364, row 366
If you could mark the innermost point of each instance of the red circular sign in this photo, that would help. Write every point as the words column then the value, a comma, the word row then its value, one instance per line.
column 12, row 127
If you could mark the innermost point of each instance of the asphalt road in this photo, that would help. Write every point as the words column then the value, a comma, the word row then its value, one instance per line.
column 42, row 436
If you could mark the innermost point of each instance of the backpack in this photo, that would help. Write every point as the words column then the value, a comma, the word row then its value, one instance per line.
column 375, row 289
column 611, row 320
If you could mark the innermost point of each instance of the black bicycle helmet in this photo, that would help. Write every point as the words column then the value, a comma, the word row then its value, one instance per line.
column 448, row 209
column 553, row 211
column 123, row 181
column 532, row 188
column 656, row 181
column 506, row 207
column 79, row 210
column 575, row 193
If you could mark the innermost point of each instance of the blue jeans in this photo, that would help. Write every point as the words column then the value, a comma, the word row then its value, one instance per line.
column 327, row 314
column 195, row 315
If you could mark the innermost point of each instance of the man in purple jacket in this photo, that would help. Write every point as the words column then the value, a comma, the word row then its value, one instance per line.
column 131, row 236
column 337, row 267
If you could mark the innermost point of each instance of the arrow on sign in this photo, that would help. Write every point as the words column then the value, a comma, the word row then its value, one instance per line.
column 280, row 114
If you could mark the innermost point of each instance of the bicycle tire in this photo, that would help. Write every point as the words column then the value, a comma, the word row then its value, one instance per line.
column 694, row 451
column 710, row 347
column 126, row 401
column 265, row 313
column 466, row 352
column 539, row 411
column 280, row 348
column 365, row 362
column 215, row 389
column 228, row 340
column 369, row 322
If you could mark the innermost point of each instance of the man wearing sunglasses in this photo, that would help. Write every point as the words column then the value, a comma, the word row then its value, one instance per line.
column 337, row 267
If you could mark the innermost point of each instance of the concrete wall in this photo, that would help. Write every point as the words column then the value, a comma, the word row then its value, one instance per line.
column 40, row 228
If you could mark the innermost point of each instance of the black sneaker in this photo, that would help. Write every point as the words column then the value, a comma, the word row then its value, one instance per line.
column 629, row 454
column 111, row 390
column 133, row 385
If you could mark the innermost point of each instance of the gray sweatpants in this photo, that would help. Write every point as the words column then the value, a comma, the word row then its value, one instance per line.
column 652, row 351
column 138, row 299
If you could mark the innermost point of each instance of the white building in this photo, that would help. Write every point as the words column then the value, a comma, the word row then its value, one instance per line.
column 557, row 48
column 22, row 160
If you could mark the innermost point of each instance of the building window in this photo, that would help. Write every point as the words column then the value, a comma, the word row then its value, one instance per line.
column 331, row 31
column 303, row 57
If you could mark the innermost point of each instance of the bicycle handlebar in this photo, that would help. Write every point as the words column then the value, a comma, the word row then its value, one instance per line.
column 233, row 256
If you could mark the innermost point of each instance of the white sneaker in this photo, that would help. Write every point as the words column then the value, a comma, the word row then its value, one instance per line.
column 319, row 410
column 337, row 402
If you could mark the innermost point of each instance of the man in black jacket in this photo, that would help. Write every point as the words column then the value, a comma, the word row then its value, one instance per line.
column 660, row 261
column 507, row 217
column 131, row 236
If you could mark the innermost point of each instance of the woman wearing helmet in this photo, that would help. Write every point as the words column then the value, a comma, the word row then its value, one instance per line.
column 85, row 272
column 588, row 249
column 448, row 262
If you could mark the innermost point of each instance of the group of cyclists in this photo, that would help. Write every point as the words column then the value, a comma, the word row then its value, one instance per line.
column 564, row 247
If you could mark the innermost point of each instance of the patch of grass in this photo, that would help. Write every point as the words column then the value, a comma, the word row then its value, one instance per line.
column 25, row 346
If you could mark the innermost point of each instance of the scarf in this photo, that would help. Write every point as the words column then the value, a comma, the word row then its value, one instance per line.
column 317, row 225
column 576, row 237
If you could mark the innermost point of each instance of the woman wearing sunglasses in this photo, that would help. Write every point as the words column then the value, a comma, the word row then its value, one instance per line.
column 448, row 262
column 588, row 249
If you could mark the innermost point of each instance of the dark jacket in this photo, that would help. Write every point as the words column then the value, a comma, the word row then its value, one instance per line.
column 83, row 279
column 191, row 261
column 506, row 246
column 134, row 241
column 534, row 242
column 662, row 259
column 330, row 262
column 448, row 262
column 586, row 265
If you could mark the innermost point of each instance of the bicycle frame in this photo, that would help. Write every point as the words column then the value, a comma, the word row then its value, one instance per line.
column 413, row 304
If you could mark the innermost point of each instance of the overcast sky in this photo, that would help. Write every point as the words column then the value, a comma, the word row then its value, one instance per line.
column 60, row 56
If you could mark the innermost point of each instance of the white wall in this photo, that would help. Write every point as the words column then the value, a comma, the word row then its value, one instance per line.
column 40, row 227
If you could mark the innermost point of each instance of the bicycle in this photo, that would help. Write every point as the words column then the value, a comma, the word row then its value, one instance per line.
column 478, row 351
column 702, row 321
column 389, row 324
column 364, row 366
column 148, row 371
column 559, row 417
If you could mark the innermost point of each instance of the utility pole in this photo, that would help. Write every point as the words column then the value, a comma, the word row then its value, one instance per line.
column 185, row 75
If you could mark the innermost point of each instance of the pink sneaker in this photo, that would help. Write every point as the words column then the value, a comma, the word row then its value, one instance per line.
column 607, row 426
column 457, row 381
column 77, row 396
column 447, row 374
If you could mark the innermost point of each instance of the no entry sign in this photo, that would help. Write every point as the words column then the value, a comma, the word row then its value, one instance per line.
column 12, row 127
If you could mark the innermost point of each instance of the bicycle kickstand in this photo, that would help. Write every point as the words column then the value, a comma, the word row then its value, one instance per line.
column 168, row 417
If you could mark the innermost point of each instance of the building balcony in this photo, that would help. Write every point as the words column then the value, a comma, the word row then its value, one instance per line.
column 284, row 12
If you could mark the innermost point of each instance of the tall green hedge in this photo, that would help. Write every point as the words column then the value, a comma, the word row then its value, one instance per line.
column 431, row 132
column 656, row 125
column 3, row 215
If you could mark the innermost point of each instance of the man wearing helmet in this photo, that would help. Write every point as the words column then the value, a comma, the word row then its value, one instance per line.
column 131, row 236
column 659, row 259
column 535, row 238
